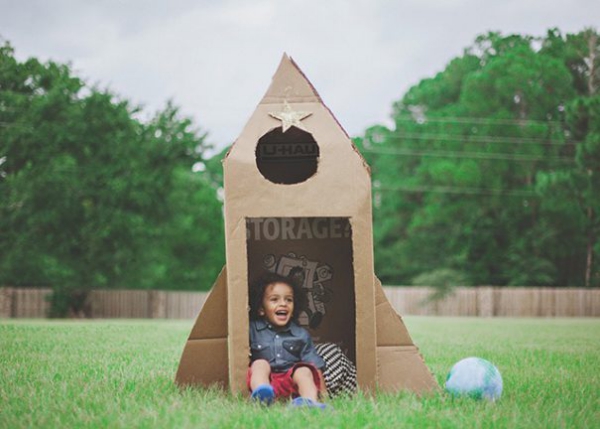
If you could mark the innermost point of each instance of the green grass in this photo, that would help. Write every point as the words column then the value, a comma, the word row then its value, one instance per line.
column 73, row 374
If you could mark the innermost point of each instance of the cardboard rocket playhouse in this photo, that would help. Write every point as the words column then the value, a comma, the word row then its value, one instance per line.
column 298, row 202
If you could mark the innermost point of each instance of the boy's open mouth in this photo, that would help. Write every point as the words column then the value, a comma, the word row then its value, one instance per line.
column 281, row 313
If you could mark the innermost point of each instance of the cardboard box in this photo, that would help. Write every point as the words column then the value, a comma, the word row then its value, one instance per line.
column 298, row 202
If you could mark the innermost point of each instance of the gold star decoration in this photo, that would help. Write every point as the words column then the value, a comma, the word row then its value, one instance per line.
column 290, row 118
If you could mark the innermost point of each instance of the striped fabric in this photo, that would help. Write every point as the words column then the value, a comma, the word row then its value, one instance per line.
column 339, row 373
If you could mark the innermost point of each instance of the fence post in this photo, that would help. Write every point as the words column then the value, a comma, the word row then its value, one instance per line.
column 485, row 301
column 585, row 297
column 157, row 304
column 594, row 298
column 6, row 298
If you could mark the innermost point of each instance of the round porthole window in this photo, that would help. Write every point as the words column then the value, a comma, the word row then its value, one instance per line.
column 287, row 158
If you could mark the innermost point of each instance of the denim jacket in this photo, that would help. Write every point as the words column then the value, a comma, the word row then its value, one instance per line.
column 283, row 347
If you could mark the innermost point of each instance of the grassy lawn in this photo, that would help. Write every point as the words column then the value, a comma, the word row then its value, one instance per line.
column 73, row 374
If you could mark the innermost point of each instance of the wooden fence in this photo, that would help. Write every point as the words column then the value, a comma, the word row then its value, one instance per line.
column 498, row 301
column 476, row 301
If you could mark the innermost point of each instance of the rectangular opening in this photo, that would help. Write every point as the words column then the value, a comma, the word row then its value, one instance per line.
column 318, row 252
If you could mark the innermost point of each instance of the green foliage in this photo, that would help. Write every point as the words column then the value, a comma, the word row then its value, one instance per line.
column 491, row 171
column 91, row 197
column 492, row 167
column 55, row 377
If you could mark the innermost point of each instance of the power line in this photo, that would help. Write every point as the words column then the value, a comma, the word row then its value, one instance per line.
column 464, row 154
column 472, row 120
column 456, row 190
column 480, row 139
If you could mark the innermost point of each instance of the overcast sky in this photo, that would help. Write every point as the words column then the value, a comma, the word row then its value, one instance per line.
column 215, row 59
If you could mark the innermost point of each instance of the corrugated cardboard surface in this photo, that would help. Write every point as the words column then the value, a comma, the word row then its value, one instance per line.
column 402, row 368
column 204, row 357
column 212, row 320
column 323, row 224
column 390, row 328
column 399, row 363
column 291, row 84
column 204, row 363
column 340, row 188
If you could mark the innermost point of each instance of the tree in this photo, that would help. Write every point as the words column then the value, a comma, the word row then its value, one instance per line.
column 467, row 180
column 91, row 197
column 580, row 185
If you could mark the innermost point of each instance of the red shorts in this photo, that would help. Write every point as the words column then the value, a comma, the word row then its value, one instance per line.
column 282, row 382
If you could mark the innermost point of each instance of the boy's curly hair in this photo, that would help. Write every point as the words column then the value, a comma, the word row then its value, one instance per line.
column 258, row 287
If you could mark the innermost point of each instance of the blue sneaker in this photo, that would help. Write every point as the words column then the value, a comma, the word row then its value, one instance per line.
column 301, row 402
column 263, row 394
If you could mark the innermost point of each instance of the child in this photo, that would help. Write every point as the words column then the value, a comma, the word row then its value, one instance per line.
column 283, row 360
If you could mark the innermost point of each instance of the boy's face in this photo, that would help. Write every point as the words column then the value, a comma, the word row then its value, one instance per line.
column 277, row 304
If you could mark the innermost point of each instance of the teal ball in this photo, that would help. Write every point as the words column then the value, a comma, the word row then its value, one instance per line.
column 476, row 378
